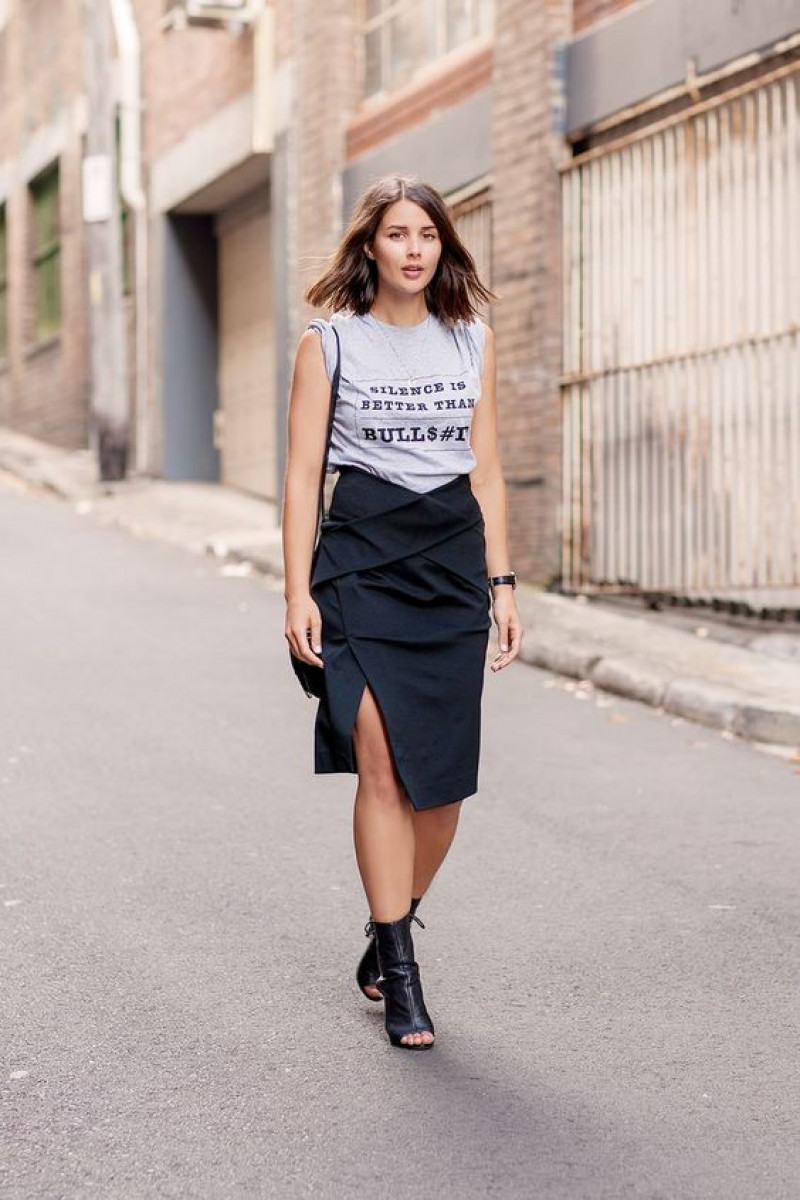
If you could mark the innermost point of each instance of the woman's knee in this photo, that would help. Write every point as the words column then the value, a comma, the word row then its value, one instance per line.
column 440, row 821
column 377, row 770
column 378, row 778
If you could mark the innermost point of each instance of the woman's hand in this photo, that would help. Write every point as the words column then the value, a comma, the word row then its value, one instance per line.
column 509, row 626
column 304, row 629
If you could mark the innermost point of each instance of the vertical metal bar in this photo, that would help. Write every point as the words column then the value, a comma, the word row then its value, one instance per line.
column 718, row 530
column 658, row 261
column 584, row 281
column 791, row 259
column 600, row 476
column 568, row 481
column 593, row 359
column 584, row 446
column 749, row 150
column 729, row 460
column 691, row 399
column 574, row 501
column 749, row 502
column 674, row 393
column 745, row 149
column 762, row 167
column 774, row 493
column 639, row 521
column 793, row 386
column 650, row 440
column 699, row 256
column 716, row 477
column 780, row 497
column 568, row 269
column 761, row 398
column 792, row 267
column 627, row 356
column 609, row 381
column 620, row 477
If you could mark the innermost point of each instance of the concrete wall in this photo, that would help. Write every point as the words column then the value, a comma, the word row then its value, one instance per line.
column 451, row 149
column 649, row 47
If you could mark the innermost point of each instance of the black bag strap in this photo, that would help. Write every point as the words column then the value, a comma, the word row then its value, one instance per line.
column 331, row 413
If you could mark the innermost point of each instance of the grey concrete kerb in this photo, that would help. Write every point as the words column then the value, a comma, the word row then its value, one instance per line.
column 726, row 687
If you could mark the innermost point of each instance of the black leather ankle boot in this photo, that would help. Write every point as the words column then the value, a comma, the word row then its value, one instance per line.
column 368, row 970
column 399, row 982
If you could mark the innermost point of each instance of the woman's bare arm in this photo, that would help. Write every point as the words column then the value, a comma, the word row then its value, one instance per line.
column 309, row 403
column 489, row 488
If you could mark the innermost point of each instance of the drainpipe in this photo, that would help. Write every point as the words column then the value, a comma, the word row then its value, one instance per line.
column 129, row 96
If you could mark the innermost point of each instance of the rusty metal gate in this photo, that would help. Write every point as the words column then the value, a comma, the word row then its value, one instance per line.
column 681, row 383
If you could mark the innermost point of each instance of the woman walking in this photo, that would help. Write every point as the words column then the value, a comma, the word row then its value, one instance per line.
column 412, row 556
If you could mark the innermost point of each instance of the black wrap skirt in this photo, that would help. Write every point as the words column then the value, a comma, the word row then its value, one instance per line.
column 401, row 584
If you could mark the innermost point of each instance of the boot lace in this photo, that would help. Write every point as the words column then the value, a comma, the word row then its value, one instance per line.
column 369, row 928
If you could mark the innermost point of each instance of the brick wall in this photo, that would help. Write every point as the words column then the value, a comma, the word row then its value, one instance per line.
column 188, row 75
column 284, row 24
column 443, row 85
column 526, row 266
column 325, row 96
column 589, row 12
column 44, row 386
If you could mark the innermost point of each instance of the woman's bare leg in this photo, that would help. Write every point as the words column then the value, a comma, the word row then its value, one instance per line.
column 383, row 824
column 382, row 818
column 434, row 830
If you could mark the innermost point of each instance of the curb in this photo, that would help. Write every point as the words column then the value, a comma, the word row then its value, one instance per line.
column 743, row 714
column 46, row 474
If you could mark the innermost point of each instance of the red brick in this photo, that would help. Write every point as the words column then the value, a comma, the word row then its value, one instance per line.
column 589, row 12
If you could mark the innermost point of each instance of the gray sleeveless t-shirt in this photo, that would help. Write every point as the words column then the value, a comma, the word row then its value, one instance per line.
column 406, row 397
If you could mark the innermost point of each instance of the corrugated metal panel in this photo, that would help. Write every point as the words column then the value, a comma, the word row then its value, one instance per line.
column 681, row 343
column 473, row 220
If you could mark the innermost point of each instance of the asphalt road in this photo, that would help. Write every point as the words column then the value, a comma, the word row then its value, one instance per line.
column 611, row 951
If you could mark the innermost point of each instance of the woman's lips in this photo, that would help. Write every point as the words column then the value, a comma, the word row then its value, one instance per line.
column 412, row 271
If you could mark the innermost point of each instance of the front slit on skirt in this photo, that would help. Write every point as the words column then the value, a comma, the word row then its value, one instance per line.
column 401, row 583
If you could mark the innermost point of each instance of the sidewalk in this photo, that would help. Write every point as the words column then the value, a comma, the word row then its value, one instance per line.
column 739, row 689
column 201, row 517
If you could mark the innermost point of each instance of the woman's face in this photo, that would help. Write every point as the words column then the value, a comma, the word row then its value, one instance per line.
column 406, row 248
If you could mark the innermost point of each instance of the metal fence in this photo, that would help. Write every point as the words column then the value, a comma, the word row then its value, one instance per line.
column 681, row 383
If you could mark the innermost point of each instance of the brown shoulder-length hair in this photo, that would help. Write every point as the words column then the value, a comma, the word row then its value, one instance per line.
column 351, row 281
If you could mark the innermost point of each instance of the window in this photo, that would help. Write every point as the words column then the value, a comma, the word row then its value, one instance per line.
column 3, row 282
column 400, row 36
column 46, row 256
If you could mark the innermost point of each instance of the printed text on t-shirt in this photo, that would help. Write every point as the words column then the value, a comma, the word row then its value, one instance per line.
column 431, row 408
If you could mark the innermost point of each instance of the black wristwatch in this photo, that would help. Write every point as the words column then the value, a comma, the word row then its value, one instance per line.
column 511, row 578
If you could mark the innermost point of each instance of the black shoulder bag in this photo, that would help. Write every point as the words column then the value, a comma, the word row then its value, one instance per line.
column 309, row 674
